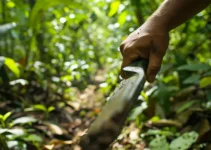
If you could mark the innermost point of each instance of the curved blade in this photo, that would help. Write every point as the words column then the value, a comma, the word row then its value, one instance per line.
column 110, row 121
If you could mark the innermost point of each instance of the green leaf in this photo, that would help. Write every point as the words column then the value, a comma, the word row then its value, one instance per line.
column 66, row 78
column 51, row 108
column 186, row 106
column 10, row 63
column 184, row 142
column 114, row 8
column 163, row 93
column 204, row 82
column 137, row 111
column 24, row 120
column 44, row 5
column 40, row 107
column 16, row 132
column 155, row 118
column 159, row 143
column 10, row 4
column 158, row 132
column 194, row 79
column 33, row 138
column 16, row 144
column 195, row 67
column 122, row 17
column 3, row 131
column 6, row 116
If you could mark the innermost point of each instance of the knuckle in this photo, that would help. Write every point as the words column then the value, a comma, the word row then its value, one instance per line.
column 122, row 47
column 126, row 51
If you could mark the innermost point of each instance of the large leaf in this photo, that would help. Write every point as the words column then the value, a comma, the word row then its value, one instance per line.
column 16, row 132
column 33, row 138
column 206, row 81
column 24, row 120
column 186, row 106
column 195, row 67
column 3, row 131
column 194, row 79
column 6, row 27
column 11, row 64
column 15, row 144
column 159, row 143
column 184, row 142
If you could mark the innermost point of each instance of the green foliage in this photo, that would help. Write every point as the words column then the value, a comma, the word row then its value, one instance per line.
column 159, row 143
column 10, row 63
column 114, row 8
column 43, row 108
column 24, row 120
column 6, row 27
column 195, row 67
column 181, row 143
column 50, row 51
column 3, row 119
column 14, row 136
column 184, row 142
column 204, row 82
column 186, row 105
column 38, row 7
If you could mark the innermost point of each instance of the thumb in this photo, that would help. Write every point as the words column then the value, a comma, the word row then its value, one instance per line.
column 155, row 61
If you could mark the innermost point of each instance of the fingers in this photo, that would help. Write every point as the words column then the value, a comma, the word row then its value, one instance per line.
column 125, row 63
column 155, row 61
column 155, row 56
column 145, row 47
column 127, row 60
column 132, row 51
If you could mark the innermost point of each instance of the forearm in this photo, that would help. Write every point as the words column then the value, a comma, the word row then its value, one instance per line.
column 173, row 13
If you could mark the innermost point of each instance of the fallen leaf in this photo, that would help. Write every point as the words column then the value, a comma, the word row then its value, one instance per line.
column 55, row 129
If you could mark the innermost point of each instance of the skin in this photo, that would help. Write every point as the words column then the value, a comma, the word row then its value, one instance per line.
column 150, row 41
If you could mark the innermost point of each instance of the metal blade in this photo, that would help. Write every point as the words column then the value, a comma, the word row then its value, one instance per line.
column 110, row 121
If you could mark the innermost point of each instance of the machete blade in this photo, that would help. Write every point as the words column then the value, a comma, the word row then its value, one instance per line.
column 108, row 125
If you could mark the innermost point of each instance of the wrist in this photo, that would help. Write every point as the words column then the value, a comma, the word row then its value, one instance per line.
column 158, row 23
column 161, row 18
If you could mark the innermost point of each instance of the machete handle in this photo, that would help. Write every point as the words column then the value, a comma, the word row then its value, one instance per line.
column 143, row 63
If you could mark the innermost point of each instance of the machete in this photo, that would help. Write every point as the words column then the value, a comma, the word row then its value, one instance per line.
column 108, row 125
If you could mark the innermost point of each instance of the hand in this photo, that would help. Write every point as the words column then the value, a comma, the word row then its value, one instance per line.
column 150, row 41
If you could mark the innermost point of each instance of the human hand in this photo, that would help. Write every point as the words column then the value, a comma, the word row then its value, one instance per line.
column 150, row 41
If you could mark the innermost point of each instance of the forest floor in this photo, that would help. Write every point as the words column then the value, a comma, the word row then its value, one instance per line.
column 53, row 121
column 77, row 116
